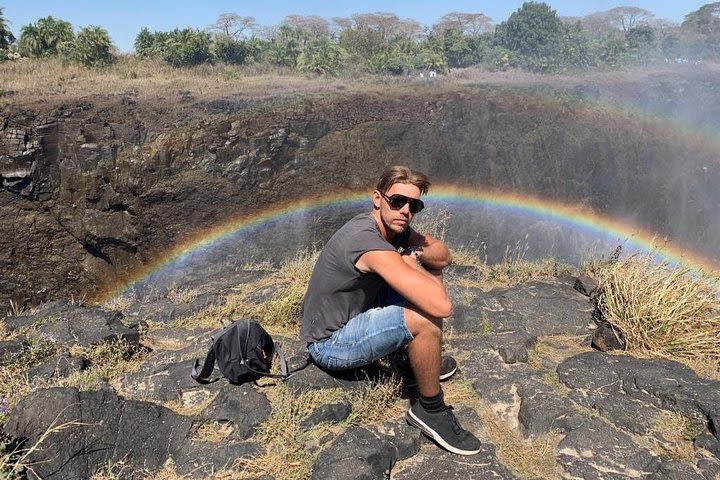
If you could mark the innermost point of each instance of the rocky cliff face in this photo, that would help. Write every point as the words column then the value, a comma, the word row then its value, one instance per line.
column 94, row 189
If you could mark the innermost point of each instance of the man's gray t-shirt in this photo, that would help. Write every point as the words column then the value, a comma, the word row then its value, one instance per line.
column 338, row 291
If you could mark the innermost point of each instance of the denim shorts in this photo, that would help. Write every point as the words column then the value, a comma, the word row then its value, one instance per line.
column 367, row 337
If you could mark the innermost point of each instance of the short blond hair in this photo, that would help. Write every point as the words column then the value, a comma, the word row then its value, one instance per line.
column 402, row 174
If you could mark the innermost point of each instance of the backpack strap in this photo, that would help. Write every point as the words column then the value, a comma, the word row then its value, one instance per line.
column 209, row 364
column 207, row 368
column 284, row 372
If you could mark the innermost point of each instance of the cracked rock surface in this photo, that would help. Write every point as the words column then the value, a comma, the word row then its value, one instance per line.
column 528, row 385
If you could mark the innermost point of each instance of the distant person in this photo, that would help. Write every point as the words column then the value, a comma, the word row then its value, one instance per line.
column 377, row 288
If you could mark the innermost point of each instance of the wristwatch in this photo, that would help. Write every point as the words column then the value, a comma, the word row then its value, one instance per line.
column 415, row 252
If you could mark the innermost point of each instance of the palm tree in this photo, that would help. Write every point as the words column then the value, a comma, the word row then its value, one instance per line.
column 30, row 42
column 45, row 37
column 6, row 36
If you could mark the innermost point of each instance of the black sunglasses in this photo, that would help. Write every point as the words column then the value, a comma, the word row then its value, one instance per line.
column 398, row 201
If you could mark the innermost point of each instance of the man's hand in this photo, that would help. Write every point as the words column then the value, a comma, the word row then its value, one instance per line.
column 435, row 254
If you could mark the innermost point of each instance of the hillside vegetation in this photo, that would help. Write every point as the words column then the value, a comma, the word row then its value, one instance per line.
column 533, row 38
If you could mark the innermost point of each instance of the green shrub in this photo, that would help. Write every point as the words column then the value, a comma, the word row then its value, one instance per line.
column 230, row 50
column 45, row 38
column 186, row 47
column 180, row 48
column 92, row 47
column 322, row 57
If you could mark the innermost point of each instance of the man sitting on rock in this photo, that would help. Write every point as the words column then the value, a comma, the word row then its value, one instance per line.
column 365, row 300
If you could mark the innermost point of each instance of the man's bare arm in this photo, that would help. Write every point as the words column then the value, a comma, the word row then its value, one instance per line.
column 409, row 279
column 435, row 255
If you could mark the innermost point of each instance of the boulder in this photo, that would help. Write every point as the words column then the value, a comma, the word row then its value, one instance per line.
column 67, row 325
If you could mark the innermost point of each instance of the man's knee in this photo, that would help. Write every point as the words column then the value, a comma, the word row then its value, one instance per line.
column 420, row 323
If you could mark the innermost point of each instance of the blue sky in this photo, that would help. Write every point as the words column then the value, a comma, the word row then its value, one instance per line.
column 123, row 19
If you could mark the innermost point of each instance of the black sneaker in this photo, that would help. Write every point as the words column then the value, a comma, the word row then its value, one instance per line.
column 444, row 429
column 448, row 367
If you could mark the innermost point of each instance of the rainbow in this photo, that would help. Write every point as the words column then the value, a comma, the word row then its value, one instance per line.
column 203, row 241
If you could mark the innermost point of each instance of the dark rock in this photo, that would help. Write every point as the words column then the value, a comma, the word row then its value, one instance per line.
column 494, row 381
column 597, row 451
column 170, row 382
column 357, row 454
column 549, row 307
column 619, row 408
column 707, row 441
column 607, row 338
column 242, row 405
column 56, row 367
column 202, row 459
column 10, row 349
column 663, row 383
column 68, row 325
column 514, row 348
column 175, row 344
column 709, row 466
column 715, row 424
column 108, row 430
column 405, row 438
column 542, row 410
column 435, row 465
column 314, row 378
column 225, row 106
column 166, row 311
column 329, row 413
column 676, row 470
column 585, row 285
column 498, row 329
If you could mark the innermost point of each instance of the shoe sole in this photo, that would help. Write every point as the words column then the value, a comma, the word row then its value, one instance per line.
column 447, row 375
column 429, row 432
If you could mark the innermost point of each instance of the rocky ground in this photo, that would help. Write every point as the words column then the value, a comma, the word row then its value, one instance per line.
column 544, row 402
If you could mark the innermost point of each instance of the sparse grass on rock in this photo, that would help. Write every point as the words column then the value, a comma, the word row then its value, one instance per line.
column 108, row 361
column 512, row 270
column 662, row 310
column 274, row 301
column 285, row 456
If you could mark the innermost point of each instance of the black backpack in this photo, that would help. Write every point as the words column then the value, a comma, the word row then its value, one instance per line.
column 244, row 352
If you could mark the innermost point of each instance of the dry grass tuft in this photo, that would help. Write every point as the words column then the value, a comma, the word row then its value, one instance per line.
column 378, row 402
column 283, row 309
column 662, row 310
column 14, row 383
column 468, row 257
column 433, row 223
column 214, row 431
column 179, row 295
column 526, row 458
column 55, row 80
column 679, row 432
column 191, row 405
column 511, row 272
column 15, row 463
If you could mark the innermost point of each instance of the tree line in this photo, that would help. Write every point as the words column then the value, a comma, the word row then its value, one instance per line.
column 533, row 38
